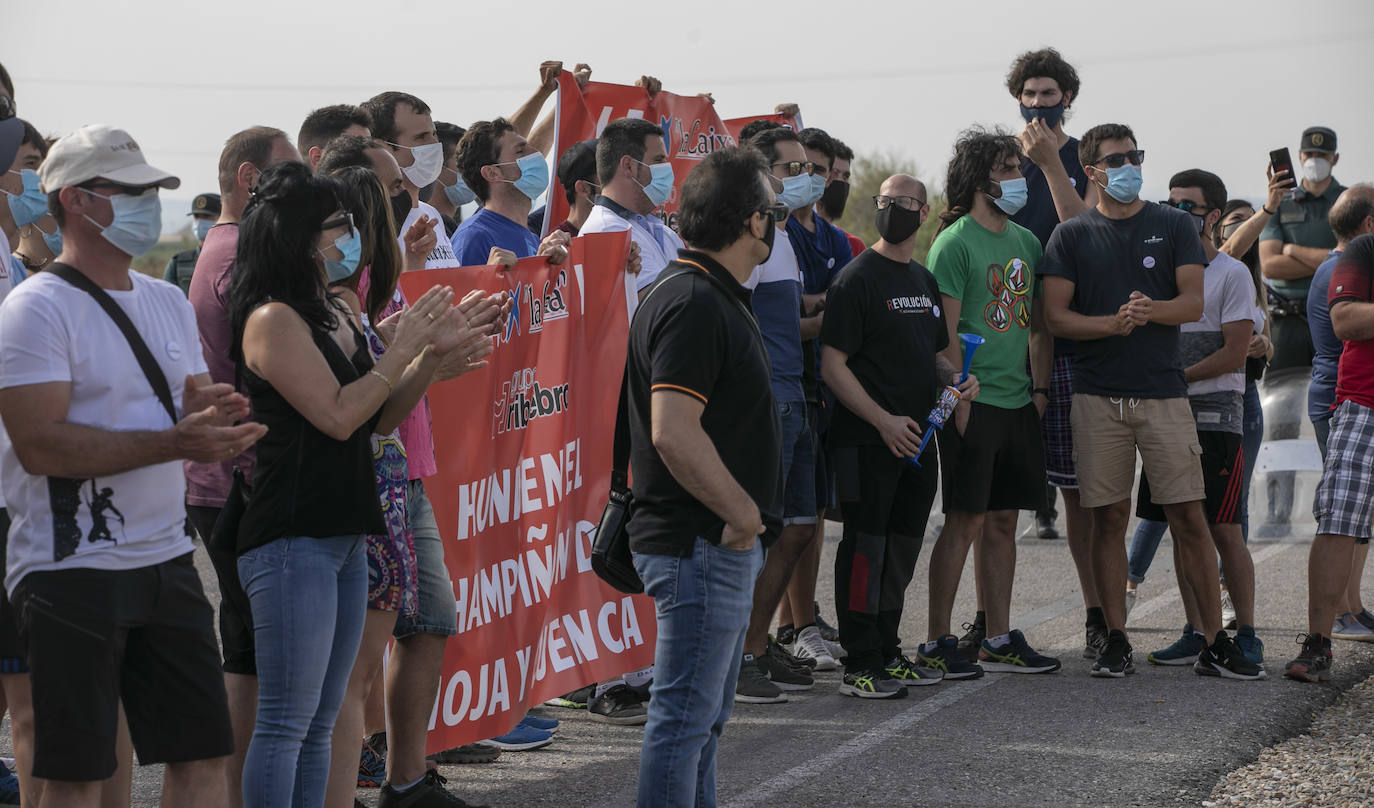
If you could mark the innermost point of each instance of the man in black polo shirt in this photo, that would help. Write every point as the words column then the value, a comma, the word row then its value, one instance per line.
column 883, row 328
column 705, row 448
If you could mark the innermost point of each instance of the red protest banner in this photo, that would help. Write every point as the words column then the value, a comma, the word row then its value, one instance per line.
column 524, row 454
column 793, row 122
column 691, row 130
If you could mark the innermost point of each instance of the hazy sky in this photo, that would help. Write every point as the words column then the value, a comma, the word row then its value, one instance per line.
column 1204, row 84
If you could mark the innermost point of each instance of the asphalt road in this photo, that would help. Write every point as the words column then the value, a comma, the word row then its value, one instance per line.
column 1160, row 738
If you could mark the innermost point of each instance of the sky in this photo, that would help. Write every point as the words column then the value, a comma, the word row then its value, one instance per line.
column 1203, row 84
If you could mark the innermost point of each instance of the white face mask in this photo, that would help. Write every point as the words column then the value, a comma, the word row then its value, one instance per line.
column 427, row 162
column 1316, row 169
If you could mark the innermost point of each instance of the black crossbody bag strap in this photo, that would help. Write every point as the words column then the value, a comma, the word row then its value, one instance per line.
column 150, row 367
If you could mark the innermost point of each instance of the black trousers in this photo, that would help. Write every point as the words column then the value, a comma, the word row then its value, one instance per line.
column 885, row 502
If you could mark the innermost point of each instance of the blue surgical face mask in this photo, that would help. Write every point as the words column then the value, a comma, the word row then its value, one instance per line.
column 53, row 240
column 534, row 175
column 660, row 185
column 1123, row 184
column 137, row 222
column 1014, row 195
column 351, row 246
column 200, row 227
column 818, row 183
column 29, row 205
column 796, row 191
column 458, row 194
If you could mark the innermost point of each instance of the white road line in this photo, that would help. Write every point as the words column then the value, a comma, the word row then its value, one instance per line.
column 950, row 693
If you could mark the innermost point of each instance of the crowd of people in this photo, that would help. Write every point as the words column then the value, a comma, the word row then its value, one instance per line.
column 269, row 400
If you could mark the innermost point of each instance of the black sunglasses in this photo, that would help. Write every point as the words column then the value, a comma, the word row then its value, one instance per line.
column 882, row 202
column 776, row 211
column 338, row 221
column 127, row 190
column 8, row 109
column 1136, row 156
column 795, row 168
column 1185, row 205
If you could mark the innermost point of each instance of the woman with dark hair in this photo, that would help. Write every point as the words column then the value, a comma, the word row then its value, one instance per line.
column 312, row 381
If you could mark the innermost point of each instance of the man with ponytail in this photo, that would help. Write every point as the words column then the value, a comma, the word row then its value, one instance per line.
column 992, row 457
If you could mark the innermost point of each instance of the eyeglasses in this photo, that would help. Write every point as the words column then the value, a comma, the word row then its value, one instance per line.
column 342, row 220
column 8, row 109
column 1186, row 205
column 1136, row 156
column 776, row 211
column 127, row 190
column 882, row 202
column 795, row 168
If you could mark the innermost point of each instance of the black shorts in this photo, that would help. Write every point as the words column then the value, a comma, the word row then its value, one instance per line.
column 235, row 616
column 998, row 464
column 1223, row 475
column 11, row 649
column 142, row 637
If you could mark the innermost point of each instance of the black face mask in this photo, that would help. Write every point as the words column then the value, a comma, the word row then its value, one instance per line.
column 897, row 224
column 400, row 207
column 1048, row 115
column 768, row 238
column 832, row 201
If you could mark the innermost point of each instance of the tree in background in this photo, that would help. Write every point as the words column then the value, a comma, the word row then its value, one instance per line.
column 868, row 173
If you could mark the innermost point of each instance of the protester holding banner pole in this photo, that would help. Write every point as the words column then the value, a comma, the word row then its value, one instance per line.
column 704, row 448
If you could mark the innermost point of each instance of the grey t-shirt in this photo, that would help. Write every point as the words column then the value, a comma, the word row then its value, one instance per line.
column 1228, row 294
column 1107, row 259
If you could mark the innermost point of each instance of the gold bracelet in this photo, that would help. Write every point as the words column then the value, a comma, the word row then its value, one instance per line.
column 385, row 380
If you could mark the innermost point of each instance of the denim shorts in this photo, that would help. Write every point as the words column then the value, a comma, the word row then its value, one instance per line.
column 437, row 609
column 798, row 466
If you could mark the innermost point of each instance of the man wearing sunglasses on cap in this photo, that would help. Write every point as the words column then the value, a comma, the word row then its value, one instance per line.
column 1120, row 279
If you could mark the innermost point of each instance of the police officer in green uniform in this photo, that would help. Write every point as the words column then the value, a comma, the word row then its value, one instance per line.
column 1295, row 242
column 204, row 213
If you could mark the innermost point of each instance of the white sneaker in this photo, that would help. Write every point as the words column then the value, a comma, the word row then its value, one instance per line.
column 1130, row 601
column 1347, row 627
column 1228, row 611
column 810, row 645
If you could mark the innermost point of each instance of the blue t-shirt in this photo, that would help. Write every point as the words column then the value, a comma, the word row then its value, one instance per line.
column 1321, row 393
column 1040, row 216
column 475, row 237
column 820, row 257
column 777, row 307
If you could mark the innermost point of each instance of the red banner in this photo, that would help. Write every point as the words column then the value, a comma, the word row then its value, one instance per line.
column 524, row 455
column 691, row 130
column 792, row 122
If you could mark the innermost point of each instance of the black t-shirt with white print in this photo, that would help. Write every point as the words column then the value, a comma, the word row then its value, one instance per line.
column 885, row 315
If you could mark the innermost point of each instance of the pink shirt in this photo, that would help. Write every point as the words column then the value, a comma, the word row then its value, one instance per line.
column 415, row 433
column 207, row 484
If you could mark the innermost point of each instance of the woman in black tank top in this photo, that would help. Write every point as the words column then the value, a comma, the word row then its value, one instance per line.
column 312, row 381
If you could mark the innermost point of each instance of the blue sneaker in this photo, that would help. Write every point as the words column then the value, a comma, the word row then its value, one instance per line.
column 9, row 786
column 522, row 739
column 543, row 724
column 1184, row 651
column 1250, row 645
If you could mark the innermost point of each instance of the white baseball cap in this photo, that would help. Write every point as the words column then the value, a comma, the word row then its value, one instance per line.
column 99, row 150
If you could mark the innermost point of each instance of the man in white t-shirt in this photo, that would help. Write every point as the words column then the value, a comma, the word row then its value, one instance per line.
column 631, row 164
column 99, row 561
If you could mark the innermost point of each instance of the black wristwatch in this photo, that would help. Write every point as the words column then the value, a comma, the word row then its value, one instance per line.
column 1044, row 391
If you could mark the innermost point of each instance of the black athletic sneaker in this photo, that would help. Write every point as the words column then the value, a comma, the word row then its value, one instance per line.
column 828, row 632
column 972, row 641
column 1015, row 657
column 621, row 705
column 786, row 635
column 872, row 684
column 786, row 676
column 1115, row 660
column 1225, row 659
column 946, row 658
column 429, row 793
column 576, row 700
column 754, row 686
column 1314, row 660
column 1095, row 639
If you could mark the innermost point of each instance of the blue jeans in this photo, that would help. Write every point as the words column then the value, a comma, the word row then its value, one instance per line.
column 1253, row 426
column 1144, row 545
column 703, row 604
column 309, row 598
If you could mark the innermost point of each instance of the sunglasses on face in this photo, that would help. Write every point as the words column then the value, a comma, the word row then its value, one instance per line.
column 342, row 220
column 904, row 202
column 794, row 168
column 8, row 109
column 1186, row 205
column 126, row 190
column 1135, row 156
column 776, row 211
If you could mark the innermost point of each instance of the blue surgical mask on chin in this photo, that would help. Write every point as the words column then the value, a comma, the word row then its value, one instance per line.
column 137, row 221
column 351, row 246
column 660, row 185
column 29, row 205
column 458, row 194
column 796, row 191
column 534, row 175
column 53, row 240
column 1014, row 195
column 1123, row 183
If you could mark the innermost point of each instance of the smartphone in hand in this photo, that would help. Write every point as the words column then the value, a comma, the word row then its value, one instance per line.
column 1281, row 160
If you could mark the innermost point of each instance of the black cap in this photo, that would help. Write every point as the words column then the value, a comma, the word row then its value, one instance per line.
column 577, row 163
column 1318, row 139
column 205, row 205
